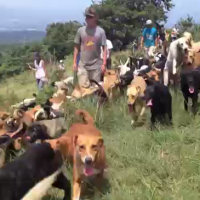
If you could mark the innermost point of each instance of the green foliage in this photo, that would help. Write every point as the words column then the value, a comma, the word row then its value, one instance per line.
column 60, row 38
column 188, row 24
column 123, row 20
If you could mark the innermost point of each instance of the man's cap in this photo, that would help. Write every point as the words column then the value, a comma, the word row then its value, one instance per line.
column 149, row 22
column 90, row 12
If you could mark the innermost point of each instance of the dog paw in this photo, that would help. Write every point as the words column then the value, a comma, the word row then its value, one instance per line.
column 132, row 122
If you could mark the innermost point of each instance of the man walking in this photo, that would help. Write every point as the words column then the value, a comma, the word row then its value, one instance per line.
column 88, row 42
column 149, row 38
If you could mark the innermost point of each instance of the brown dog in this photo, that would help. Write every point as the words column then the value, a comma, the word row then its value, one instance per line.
column 135, row 93
column 83, row 146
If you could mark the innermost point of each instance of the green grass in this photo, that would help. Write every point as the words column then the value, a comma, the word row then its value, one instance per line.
column 163, row 164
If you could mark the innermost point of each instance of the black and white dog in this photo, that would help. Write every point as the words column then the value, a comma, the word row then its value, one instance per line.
column 31, row 175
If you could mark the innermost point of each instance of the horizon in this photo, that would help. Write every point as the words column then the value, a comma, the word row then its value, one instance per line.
column 18, row 15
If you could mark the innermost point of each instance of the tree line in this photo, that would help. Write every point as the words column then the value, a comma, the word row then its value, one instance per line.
column 122, row 20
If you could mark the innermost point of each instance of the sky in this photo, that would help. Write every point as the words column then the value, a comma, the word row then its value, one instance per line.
column 36, row 14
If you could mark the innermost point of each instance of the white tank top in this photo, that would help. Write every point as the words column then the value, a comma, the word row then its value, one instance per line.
column 40, row 73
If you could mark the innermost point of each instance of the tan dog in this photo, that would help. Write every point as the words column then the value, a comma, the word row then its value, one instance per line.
column 109, row 85
column 80, row 92
column 83, row 146
column 111, row 80
column 192, row 59
column 135, row 93
column 154, row 74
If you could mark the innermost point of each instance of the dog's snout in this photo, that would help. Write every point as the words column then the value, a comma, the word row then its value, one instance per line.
column 185, row 50
column 88, row 160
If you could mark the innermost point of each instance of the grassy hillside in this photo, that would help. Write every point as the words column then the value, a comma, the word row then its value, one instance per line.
column 162, row 164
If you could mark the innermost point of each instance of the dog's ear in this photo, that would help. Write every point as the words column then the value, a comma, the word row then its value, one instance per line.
column 75, row 138
column 101, row 159
column 138, row 89
column 100, row 142
column 20, row 113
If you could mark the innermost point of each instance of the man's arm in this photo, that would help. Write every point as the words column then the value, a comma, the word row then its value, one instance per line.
column 156, row 41
column 76, row 52
column 77, row 42
column 104, row 48
column 104, row 55
column 142, row 42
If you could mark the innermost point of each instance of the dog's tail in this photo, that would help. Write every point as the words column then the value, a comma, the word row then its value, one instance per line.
column 87, row 118
column 102, row 92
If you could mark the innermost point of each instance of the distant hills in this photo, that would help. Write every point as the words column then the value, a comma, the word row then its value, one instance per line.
column 23, row 36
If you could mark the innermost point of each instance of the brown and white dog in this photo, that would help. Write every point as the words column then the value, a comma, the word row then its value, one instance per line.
column 83, row 146
column 135, row 94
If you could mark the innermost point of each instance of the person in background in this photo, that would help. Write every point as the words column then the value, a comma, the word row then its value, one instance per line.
column 149, row 39
column 109, row 46
column 174, row 33
column 162, row 38
column 40, row 71
column 61, row 66
column 88, row 42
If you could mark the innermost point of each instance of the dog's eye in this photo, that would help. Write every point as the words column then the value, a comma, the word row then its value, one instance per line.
column 94, row 147
column 81, row 148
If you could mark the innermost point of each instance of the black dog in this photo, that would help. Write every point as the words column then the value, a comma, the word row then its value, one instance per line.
column 159, row 99
column 36, row 132
column 40, row 164
column 190, row 86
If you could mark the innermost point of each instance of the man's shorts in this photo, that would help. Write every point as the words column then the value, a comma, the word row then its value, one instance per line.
column 84, row 76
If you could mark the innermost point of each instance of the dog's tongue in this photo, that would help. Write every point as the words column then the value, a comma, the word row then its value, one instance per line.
column 149, row 103
column 130, row 107
column 88, row 171
column 191, row 90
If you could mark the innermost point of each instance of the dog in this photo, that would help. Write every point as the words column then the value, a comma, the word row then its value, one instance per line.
column 159, row 99
column 190, row 86
column 45, row 129
column 25, row 104
column 81, row 92
column 8, row 148
column 83, row 146
column 126, row 73
column 177, row 51
column 32, row 174
column 4, row 115
column 135, row 94
column 110, row 83
column 192, row 59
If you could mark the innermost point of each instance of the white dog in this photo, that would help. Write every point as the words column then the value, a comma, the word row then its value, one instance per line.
column 177, row 52
column 123, row 68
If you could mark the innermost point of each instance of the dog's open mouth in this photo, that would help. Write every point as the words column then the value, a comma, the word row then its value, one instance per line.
column 130, row 108
column 191, row 90
column 88, row 170
column 150, row 103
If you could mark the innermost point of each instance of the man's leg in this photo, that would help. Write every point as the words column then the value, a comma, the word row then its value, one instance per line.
column 109, row 63
column 83, row 78
column 95, row 74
